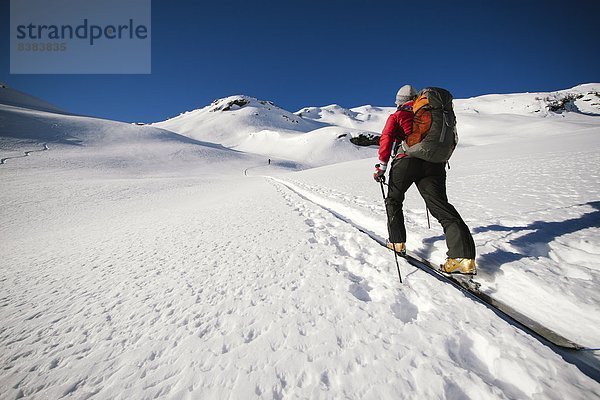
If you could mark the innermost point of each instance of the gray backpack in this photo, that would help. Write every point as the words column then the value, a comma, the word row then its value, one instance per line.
column 434, row 135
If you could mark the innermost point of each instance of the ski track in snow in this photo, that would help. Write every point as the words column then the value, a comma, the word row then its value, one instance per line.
column 25, row 154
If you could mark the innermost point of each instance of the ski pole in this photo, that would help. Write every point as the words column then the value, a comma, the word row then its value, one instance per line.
column 428, row 221
column 394, row 249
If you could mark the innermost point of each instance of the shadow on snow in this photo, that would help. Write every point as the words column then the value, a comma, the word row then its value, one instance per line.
column 536, row 242
column 532, row 244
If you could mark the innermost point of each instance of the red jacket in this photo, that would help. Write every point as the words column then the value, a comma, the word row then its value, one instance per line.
column 397, row 128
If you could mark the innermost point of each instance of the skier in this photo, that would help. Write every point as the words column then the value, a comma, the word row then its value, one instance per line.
column 430, row 179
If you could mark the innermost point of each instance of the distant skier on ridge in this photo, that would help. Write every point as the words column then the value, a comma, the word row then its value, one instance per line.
column 426, row 124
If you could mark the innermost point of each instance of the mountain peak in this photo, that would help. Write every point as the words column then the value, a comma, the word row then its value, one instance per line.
column 239, row 101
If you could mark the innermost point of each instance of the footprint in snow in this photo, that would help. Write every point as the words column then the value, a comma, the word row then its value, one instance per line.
column 404, row 309
column 359, row 292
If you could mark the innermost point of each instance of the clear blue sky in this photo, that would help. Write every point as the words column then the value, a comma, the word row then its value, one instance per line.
column 321, row 52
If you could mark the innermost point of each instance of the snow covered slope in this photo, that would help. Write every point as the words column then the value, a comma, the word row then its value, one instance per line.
column 367, row 118
column 225, row 120
column 510, row 118
column 497, row 118
column 12, row 97
column 584, row 99
column 247, row 124
column 29, row 130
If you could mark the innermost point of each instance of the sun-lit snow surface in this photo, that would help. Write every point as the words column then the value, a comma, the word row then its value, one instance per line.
column 102, row 144
column 363, row 118
column 256, row 126
column 508, row 117
column 154, row 268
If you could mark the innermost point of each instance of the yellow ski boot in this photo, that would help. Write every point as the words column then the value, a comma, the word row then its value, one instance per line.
column 399, row 248
column 460, row 266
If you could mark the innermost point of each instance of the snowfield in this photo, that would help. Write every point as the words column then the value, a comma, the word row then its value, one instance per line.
column 162, row 262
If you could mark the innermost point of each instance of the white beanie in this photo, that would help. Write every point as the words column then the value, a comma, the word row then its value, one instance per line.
column 406, row 93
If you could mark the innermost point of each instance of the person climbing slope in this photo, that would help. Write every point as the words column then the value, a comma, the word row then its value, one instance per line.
column 427, row 127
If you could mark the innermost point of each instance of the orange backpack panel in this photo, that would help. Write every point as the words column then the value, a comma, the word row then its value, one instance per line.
column 421, row 120
column 420, row 102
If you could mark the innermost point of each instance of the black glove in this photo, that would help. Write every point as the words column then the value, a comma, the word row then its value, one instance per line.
column 379, row 174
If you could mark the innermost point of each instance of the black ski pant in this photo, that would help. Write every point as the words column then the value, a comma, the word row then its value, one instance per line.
column 430, row 179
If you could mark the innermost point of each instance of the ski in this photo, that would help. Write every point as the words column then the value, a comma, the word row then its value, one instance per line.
column 471, row 287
